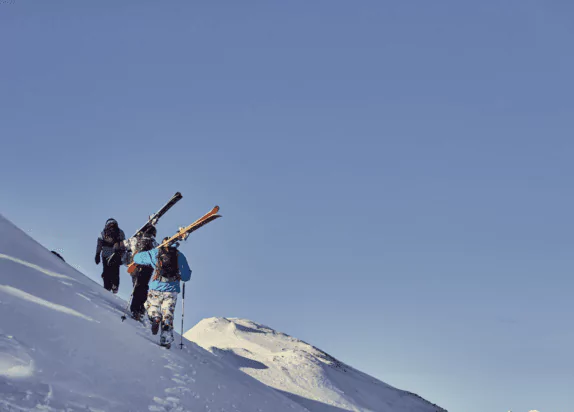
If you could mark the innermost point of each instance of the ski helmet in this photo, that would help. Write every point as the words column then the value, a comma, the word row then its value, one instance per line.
column 111, row 221
column 151, row 231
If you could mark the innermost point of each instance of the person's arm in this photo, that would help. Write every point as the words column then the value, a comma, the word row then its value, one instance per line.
column 184, row 269
column 98, row 250
column 147, row 258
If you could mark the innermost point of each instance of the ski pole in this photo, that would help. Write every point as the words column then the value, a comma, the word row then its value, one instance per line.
column 182, row 314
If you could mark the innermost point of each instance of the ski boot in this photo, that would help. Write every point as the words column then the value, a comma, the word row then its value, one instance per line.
column 155, row 325
column 166, row 337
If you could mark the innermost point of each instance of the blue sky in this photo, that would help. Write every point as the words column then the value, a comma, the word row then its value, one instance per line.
column 394, row 178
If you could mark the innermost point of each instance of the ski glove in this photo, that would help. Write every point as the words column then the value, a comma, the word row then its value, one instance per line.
column 98, row 259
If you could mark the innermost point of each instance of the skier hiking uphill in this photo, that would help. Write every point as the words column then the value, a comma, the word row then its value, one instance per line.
column 110, row 241
column 170, row 267
column 142, row 274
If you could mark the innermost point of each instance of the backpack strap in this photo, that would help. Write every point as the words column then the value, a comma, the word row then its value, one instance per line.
column 157, row 265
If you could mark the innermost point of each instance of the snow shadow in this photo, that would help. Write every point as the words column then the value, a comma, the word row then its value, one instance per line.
column 238, row 360
column 247, row 329
column 314, row 406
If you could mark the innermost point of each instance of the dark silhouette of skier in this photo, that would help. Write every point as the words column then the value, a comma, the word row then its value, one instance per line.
column 142, row 275
column 110, row 241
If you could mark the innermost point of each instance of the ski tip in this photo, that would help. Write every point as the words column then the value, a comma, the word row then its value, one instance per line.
column 215, row 209
column 209, row 219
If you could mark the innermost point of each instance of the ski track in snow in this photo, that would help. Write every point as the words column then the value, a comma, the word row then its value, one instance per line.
column 39, row 301
column 171, row 402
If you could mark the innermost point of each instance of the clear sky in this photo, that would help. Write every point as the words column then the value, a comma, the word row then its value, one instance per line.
column 395, row 178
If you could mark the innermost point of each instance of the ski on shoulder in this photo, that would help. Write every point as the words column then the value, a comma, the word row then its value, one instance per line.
column 184, row 232
column 129, row 244
column 153, row 219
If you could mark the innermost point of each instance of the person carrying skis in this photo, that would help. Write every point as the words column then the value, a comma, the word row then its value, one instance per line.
column 109, row 242
column 170, row 268
column 142, row 274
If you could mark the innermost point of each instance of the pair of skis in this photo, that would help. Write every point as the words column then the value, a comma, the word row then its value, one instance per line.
column 184, row 232
column 153, row 219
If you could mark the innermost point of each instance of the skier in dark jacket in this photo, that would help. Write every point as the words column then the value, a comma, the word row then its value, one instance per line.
column 142, row 275
column 110, row 246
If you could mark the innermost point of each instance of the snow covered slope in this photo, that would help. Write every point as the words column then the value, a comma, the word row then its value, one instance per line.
column 63, row 347
column 306, row 374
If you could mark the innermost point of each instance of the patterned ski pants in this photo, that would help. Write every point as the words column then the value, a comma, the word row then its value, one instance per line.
column 161, row 305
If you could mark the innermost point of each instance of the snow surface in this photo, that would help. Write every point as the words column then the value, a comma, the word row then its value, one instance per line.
column 306, row 374
column 63, row 347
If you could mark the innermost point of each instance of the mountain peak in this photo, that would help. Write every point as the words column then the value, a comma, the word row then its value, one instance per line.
column 303, row 372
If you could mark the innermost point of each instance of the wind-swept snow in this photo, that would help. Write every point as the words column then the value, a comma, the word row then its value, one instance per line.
column 63, row 347
column 308, row 375
column 39, row 301
column 33, row 266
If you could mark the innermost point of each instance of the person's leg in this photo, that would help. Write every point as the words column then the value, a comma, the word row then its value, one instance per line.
column 153, row 308
column 115, row 277
column 139, row 296
column 106, row 274
column 141, row 290
column 145, row 290
column 167, row 311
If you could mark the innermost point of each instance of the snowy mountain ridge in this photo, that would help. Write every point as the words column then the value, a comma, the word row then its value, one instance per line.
column 64, row 348
column 306, row 374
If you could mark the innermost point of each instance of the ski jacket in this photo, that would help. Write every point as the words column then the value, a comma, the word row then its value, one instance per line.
column 133, row 245
column 149, row 258
column 106, row 248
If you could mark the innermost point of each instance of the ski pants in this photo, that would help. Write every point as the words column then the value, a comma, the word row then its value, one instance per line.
column 140, row 281
column 161, row 305
column 111, row 275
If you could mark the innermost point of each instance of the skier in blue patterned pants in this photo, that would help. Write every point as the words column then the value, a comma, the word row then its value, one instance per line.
column 171, row 268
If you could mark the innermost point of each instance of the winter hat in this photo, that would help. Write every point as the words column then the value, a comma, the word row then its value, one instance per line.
column 111, row 221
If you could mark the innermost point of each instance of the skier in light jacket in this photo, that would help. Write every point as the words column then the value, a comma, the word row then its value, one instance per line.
column 171, row 268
